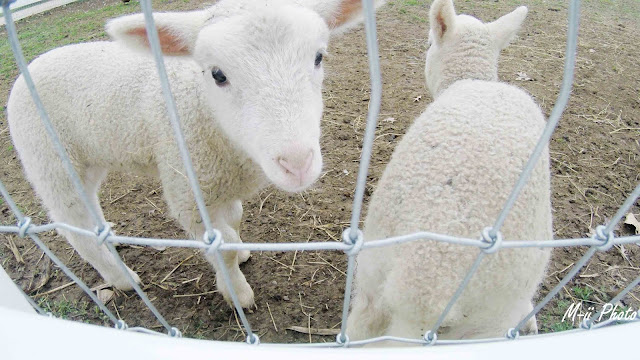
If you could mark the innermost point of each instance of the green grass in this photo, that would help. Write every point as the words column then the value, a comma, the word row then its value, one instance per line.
column 412, row 7
column 582, row 292
column 563, row 305
column 37, row 37
column 561, row 326
column 73, row 310
column 64, row 308
column 552, row 320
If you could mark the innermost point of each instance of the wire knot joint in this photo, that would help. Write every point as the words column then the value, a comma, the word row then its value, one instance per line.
column 121, row 325
column 24, row 226
column 493, row 242
column 586, row 324
column 342, row 339
column 103, row 233
column 512, row 334
column 430, row 338
column 214, row 240
column 174, row 332
column 253, row 339
column 356, row 244
column 605, row 238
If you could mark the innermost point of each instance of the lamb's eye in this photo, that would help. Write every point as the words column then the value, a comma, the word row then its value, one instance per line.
column 318, row 58
column 218, row 76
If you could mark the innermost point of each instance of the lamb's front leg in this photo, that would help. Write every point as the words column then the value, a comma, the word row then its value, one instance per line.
column 181, row 203
column 226, row 219
column 234, row 218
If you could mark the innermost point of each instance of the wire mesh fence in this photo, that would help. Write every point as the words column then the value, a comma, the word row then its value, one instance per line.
column 352, row 241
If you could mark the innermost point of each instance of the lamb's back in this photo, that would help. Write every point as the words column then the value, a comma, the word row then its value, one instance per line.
column 99, row 96
column 451, row 174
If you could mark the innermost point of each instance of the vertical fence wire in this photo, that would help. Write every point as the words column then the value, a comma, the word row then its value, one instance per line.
column 554, row 118
column 353, row 236
column 210, row 234
column 372, row 116
column 552, row 123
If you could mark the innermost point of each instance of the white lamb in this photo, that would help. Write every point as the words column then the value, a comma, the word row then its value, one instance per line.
column 451, row 174
column 247, row 78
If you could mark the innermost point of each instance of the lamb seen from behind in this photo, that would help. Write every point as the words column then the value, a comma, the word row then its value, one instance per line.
column 247, row 78
column 451, row 174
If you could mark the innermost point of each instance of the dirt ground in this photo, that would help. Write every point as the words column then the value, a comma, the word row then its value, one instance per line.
column 595, row 156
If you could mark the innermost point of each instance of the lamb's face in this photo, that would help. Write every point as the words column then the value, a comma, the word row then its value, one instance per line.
column 263, row 74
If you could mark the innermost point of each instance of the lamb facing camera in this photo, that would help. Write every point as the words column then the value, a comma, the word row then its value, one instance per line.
column 247, row 78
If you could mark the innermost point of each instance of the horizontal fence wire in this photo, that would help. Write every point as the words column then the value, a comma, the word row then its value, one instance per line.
column 352, row 241
column 322, row 246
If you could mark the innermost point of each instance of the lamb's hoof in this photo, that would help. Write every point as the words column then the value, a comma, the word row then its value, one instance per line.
column 531, row 327
column 243, row 256
column 122, row 282
column 243, row 292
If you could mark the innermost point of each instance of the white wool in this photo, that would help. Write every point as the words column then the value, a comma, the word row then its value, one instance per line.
column 261, row 126
column 451, row 174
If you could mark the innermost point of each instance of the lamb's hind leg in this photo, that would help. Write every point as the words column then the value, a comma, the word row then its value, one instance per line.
column 367, row 318
column 64, row 204
column 531, row 327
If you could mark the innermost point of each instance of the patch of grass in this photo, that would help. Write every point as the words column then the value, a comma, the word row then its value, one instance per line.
column 74, row 310
column 551, row 321
column 548, row 323
column 64, row 308
column 582, row 292
column 99, row 314
column 38, row 37
column 412, row 2
column 418, row 18
column 405, row 6
column 561, row 326
column 563, row 305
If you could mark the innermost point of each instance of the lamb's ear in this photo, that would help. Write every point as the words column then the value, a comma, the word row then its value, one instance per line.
column 505, row 28
column 442, row 17
column 177, row 31
column 340, row 15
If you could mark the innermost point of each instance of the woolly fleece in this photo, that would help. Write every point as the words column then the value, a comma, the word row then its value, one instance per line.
column 451, row 174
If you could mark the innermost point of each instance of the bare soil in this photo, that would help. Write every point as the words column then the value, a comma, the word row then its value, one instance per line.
column 595, row 164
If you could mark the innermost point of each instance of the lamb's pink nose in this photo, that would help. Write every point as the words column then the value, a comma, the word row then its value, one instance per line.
column 297, row 164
